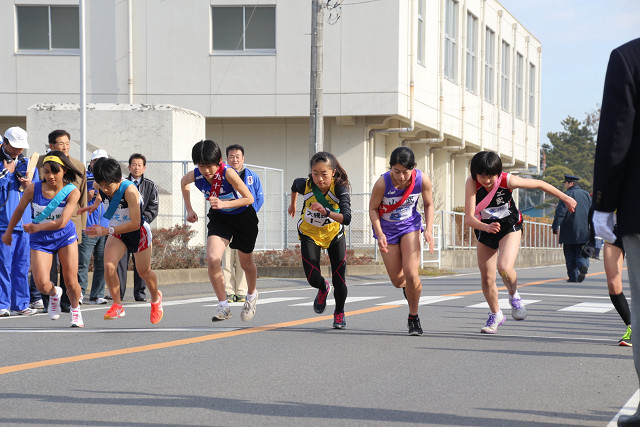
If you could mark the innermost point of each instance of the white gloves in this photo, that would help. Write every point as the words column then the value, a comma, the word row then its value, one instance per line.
column 603, row 223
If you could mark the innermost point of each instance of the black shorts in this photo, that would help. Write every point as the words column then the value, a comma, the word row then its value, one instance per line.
column 138, row 240
column 240, row 229
column 493, row 240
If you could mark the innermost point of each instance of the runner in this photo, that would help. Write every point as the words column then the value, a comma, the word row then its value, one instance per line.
column 232, row 221
column 490, row 209
column 53, row 202
column 326, row 209
column 127, row 231
column 397, row 225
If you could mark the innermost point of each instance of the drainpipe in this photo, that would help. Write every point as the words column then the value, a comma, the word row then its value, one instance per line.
column 513, row 99
column 483, row 42
column 130, row 81
column 525, row 90
column 538, row 103
column 498, row 104
column 463, row 41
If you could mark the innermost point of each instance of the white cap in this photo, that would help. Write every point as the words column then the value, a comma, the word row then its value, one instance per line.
column 99, row 154
column 17, row 137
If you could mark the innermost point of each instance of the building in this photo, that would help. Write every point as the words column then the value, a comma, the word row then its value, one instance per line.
column 447, row 77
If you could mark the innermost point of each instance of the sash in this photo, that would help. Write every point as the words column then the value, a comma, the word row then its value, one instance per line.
column 383, row 209
column 487, row 199
column 216, row 184
column 115, row 200
column 321, row 198
column 54, row 203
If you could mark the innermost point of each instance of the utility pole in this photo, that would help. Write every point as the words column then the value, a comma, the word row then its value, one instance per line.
column 316, row 122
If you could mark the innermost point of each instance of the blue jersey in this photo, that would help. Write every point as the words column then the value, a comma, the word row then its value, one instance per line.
column 226, row 192
column 38, row 204
column 97, row 216
column 10, row 193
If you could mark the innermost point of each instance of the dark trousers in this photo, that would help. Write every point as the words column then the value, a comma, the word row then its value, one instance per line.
column 574, row 259
column 138, row 284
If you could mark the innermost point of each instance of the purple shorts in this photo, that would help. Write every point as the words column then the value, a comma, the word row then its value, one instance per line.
column 395, row 230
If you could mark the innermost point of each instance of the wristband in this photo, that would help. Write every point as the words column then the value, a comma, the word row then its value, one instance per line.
column 327, row 212
column 112, row 231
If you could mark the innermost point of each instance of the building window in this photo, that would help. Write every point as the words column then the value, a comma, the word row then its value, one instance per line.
column 519, row 84
column 472, row 52
column 450, row 39
column 489, row 60
column 532, row 94
column 48, row 28
column 421, row 31
column 243, row 29
column 504, row 76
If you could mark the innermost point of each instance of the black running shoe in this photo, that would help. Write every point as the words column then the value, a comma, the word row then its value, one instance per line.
column 414, row 326
column 320, row 303
column 338, row 321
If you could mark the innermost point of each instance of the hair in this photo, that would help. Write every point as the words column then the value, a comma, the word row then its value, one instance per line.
column 57, row 134
column 485, row 163
column 340, row 177
column 107, row 171
column 235, row 147
column 403, row 156
column 138, row 156
column 206, row 152
column 70, row 171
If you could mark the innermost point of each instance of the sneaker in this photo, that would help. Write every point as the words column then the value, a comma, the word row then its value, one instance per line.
column 81, row 300
column 626, row 338
column 222, row 313
column 582, row 273
column 231, row 298
column 415, row 328
column 37, row 304
column 493, row 322
column 76, row 318
column 4, row 312
column 518, row 312
column 240, row 298
column 26, row 312
column 54, row 304
column 98, row 301
column 114, row 312
column 156, row 310
column 249, row 309
column 320, row 303
column 338, row 321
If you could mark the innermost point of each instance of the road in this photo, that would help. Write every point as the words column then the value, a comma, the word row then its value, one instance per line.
column 286, row 367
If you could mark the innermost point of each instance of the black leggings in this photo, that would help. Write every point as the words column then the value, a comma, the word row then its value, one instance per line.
column 337, row 251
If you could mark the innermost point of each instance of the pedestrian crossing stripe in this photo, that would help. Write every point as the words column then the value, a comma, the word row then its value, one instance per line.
column 333, row 301
column 429, row 299
column 504, row 304
column 590, row 307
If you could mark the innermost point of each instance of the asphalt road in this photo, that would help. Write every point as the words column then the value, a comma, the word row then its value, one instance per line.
column 560, row 366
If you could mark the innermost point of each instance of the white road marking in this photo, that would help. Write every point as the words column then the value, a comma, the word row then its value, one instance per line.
column 590, row 307
column 504, row 303
column 333, row 301
column 118, row 330
column 261, row 301
column 629, row 408
column 429, row 299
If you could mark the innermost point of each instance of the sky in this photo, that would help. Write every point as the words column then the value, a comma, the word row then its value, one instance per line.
column 577, row 37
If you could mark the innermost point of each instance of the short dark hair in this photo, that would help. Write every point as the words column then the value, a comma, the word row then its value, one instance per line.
column 485, row 163
column 70, row 174
column 138, row 156
column 235, row 147
column 206, row 152
column 107, row 171
column 57, row 134
column 403, row 156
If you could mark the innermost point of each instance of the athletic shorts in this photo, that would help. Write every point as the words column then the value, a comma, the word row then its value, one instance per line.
column 51, row 241
column 136, row 241
column 493, row 240
column 241, row 229
column 394, row 231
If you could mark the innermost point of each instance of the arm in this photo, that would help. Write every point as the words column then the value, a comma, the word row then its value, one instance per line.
column 517, row 182
column 297, row 187
column 82, row 200
column 69, row 210
column 344, row 216
column 374, row 203
column 27, row 197
column 189, row 178
column 470, row 219
column 151, row 202
column 427, row 200
column 96, row 201
column 234, row 179
column 132, row 196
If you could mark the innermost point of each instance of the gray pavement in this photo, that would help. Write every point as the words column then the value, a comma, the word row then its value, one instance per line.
column 561, row 366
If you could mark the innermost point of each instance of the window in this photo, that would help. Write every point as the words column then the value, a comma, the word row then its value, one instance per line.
column 489, row 60
column 519, row 84
column 472, row 52
column 504, row 76
column 421, row 31
column 48, row 28
column 244, row 29
column 450, row 39
column 532, row 94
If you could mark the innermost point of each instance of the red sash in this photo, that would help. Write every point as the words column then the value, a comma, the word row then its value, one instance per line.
column 382, row 209
column 487, row 199
column 216, row 183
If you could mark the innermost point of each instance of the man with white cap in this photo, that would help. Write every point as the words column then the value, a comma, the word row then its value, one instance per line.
column 93, row 245
column 14, row 259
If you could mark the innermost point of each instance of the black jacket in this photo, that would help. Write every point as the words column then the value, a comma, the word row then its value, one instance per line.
column 617, row 162
column 149, row 194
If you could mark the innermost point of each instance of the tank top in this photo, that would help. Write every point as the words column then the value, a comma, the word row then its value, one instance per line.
column 39, row 203
column 408, row 211
column 122, row 214
column 502, row 207
column 227, row 192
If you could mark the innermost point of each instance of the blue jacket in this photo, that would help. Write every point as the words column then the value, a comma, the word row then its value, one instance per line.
column 574, row 227
column 253, row 183
column 10, row 193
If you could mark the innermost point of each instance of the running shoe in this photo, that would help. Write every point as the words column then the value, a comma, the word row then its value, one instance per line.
column 76, row 318
column 37, row 304
column 495, row 320
column 98, row 301
column 320, row 303
column 518, row 312
column 81, row 300
column 231, row 298
column 626, row 338
column 415, row 329
column 249, row 309
column 26, row 312
column 54, row 304
column 582, row 273
column 240, row 298
column 4, row 312
column 338, row 321
column 114, row 312
column 222, row 313
column 156, row 310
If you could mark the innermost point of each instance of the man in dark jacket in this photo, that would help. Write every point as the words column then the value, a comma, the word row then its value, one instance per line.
column 574, row 229
column 149, row 195
column 617, row 173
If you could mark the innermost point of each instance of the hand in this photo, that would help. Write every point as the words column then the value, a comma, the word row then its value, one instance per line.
column 492, row 227
column 382, row 243
column 603, row 225
column 428, row 237
column 10, row 166
column 192, row 216
column 571, row 204
column 215, row 202
column 555, row 232
column 291, row 210
column 7, row 238
column 96, row 231
column 31, row 228
column 24, row 182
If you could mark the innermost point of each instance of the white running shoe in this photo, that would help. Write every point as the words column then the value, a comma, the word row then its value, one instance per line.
column 495, row 320
column 249, row 309
column 98, row 301
column 4, row 312
column 26, row 312
column 518, row 312
column 222, row 313
column 76, row 318
column 54, row 304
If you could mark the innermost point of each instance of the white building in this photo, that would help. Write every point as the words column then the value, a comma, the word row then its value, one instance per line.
column 449, row 77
